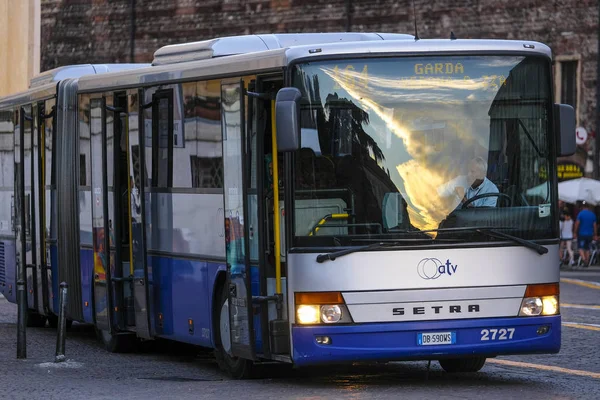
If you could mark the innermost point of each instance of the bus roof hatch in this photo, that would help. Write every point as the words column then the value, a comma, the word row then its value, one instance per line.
column 227, row 46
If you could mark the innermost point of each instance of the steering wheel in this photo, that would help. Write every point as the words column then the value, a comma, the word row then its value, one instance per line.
column 484, row 195
column 523, row 199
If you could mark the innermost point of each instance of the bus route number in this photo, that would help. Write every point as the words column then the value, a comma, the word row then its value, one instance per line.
column 497, row 334
column 349, row 78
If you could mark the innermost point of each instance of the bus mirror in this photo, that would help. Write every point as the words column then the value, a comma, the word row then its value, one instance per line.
column 564, row 126
column 287, row 119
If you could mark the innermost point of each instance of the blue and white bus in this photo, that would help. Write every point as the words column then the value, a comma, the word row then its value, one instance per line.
column 319, row 198
column 31, row 196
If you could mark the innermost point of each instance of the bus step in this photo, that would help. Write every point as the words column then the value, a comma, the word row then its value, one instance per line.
column 130, row 309
column 280, row 336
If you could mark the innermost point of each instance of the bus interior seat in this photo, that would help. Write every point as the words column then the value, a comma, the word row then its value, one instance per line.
column 325, row 171
column 347, row 173
column 516, row 196
column 306, row 176
column 351, row 175
column 345, row 168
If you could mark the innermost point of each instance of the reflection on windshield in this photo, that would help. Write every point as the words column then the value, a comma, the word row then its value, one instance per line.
column 455, row 134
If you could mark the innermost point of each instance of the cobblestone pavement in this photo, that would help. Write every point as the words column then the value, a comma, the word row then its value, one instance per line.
column 181, row 373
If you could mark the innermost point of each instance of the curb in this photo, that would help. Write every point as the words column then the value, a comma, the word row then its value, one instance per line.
column 593, row 268
column 580, row 270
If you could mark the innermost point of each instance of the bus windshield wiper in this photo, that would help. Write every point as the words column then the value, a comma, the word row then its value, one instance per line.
column 489, row 231
column 495, row 233
column 335, row 254
column 381, row 243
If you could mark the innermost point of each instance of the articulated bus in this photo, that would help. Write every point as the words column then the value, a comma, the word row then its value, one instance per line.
column 43, row 120
column 317, row 199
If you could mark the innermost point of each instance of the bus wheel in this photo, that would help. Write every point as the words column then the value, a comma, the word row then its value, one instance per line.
column 35, row 320
column 237, row 368
column 471, row 364
column 53, row 322
column 116, row 343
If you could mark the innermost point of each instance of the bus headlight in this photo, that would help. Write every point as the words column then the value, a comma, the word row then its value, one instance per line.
column 541, row 299
column 308, row 314
column 331, row 314
column 550, row 305
column 531, row 306
column 321, row 308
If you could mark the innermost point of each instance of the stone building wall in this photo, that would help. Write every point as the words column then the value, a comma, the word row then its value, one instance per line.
column 19, row 44
column 79, row 31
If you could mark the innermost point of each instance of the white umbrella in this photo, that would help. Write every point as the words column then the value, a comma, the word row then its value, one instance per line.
column 582, row 189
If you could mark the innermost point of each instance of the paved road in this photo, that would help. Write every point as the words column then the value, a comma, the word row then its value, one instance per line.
column 92, row 373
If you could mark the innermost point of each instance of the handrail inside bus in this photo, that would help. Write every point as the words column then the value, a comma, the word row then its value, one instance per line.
column 326, row 218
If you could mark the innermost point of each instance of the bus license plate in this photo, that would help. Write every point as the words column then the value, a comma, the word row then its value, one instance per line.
column 436, row 338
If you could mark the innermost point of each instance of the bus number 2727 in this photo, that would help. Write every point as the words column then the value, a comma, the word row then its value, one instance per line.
column 497, row 334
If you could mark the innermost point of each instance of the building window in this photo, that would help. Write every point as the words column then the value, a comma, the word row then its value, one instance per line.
column 82, row 170
column 568, row 86
column 207, row 172
column 567, row 81
column 162, row 139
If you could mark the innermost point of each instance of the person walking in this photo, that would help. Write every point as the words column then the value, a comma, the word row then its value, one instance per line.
column 566, row 237
column 586, row 230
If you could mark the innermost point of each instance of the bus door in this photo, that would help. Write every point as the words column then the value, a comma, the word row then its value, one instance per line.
column 236, row 219
column 21, row 256
column 135, row 131
column 113, row 184
column 259, row 163
column 26, row 199
column 47, row 202
column 101, row 225
column 38, row 209
column 119, row 188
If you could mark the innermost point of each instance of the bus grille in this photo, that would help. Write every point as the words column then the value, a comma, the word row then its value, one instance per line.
column 2, row 265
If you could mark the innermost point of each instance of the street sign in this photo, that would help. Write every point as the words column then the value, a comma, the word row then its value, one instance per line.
column 581, row 135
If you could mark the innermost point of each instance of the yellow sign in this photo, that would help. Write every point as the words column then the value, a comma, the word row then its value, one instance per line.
column 439, row 69
column 349, row 78
column 569, row 171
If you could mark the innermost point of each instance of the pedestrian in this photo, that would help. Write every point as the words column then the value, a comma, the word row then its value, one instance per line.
column 566, row 237
column 586, row 230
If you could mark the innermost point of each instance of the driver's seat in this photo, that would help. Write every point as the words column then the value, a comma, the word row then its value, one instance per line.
column 516, row 197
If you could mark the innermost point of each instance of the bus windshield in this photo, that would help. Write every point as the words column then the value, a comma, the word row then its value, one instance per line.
column 400, row 147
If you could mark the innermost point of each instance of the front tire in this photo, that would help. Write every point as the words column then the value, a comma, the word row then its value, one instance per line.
column 53, row 322
column 457, row 365
column 237, row 368
column 35, row 320
column 115, row 343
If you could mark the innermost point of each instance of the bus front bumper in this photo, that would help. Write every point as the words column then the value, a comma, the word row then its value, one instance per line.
column 398, row 341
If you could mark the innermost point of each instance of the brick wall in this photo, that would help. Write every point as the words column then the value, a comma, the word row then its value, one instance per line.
column 79, row 31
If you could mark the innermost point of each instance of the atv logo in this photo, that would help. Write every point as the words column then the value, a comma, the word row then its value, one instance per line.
column 432, row 268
